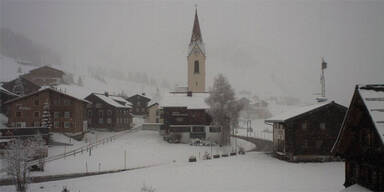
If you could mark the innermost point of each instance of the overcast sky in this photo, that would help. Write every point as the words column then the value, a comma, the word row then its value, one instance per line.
column 267, row 47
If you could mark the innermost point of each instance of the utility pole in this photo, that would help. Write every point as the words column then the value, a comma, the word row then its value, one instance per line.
column 323, row 67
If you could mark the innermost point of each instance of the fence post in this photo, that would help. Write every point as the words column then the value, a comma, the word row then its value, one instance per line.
column 125, row 159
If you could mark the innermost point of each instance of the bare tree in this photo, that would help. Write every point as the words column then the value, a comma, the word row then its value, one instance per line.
column 224, row 109
column 17, row 155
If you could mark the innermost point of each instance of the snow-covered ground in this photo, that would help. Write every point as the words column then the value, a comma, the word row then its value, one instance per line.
column 142, row 148
column 251, row 172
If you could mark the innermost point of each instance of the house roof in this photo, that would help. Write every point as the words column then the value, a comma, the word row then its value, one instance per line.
column 196, row 101
column 46, row 67
column 296, row 112
column 45, row 89
column 3, row 90
column 115, row 101
column 373, row 98
column 137, row 95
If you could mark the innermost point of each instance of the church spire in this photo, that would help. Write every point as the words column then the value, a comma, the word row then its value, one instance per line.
column 196, row 33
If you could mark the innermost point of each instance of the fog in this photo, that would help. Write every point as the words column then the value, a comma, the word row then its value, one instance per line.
column 266, row 47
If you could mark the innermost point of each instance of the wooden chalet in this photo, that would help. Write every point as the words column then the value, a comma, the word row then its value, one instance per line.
column 45, row 76
column 66, row 112
column 361, row 138
column 108, row 112
column 307, row 133
column 21, row 86
column 186, row 115
column 5, row 96
column 139, row 104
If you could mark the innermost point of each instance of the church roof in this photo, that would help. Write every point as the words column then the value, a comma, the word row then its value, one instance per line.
column 196, row 37
column 196, row 33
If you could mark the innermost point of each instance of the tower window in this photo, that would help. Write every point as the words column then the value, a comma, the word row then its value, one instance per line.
column 197, row 70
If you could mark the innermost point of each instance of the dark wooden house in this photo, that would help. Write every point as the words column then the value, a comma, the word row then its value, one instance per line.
column 45, row 76
column 361, row 138
column 66, row 113
column 5, row 96
column 139, row 104
column 21, row 86
column 307, row 133
column 187, row 115
column 109, row 112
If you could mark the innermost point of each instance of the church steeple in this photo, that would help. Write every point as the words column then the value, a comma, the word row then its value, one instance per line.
column 196, row 33
column 196, row 59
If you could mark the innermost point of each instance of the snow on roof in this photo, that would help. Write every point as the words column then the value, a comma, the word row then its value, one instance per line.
column 373, row 97
column 355, row 188
column 2, row 89
column 113, row 100
column 196, row 101
column 44, row 89
column 296, row 112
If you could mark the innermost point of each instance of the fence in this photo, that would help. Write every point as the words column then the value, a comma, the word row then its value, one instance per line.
column 83, row 149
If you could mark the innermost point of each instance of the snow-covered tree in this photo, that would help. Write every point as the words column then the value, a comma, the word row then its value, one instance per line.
column 46, row 116
column 17, row 155
column 157, row 95
column 80, row 81
column 224, row 108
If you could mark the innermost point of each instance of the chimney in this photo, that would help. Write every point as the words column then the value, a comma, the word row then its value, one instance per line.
column 189, row 93
column 106, row 94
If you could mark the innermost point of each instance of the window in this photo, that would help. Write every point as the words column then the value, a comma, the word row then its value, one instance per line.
column 56, row 114
column 198, row 129
column 101, row 121
column 67, row 124
column 67, row 101
column 157, row 120
column 196, row 67
column 36, row 102
column 18, row 114
column 36, row 114
column 109, row 112
column 109, row 121
column 67, row 114
column 89, row 113
column 322, row 126
column 179, row 129
column 100, row 113
column 319, row 143
column 304, row 126
column 214, row 129
column 56, row 124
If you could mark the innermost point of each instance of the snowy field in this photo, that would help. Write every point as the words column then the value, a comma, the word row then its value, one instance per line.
column 251, row 172
column 142, row 148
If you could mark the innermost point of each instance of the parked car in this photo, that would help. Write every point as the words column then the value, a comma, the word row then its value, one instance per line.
column 192, row 158
column 172, row 138
column 196, row 142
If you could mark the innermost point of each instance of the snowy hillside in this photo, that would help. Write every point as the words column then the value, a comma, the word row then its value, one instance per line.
column 11, row 69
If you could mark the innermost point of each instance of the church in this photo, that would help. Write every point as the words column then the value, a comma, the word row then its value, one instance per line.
column 183, row 111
